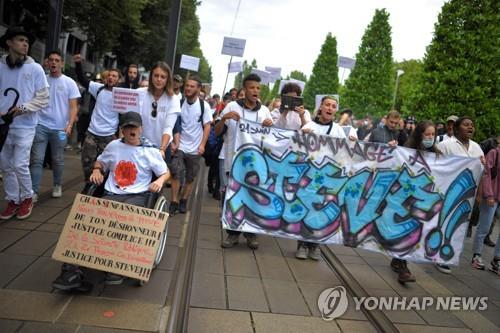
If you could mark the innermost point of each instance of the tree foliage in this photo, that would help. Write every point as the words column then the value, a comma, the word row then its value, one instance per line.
column 324, row 78
column 134, row 30
column 461, row 72
column 297, row 75
column 370, row 86
column 408, row 85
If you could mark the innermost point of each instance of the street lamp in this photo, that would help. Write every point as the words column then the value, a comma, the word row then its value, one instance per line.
column 399, row 72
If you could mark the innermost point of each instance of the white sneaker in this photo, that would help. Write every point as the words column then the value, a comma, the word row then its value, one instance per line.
column 34, row 197
column 443, row 268
column 57, row 191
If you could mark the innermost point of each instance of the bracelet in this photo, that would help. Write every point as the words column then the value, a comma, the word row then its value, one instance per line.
column 98, row 168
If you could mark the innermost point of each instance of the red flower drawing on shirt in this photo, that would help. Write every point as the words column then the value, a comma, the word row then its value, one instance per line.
column 125, row 173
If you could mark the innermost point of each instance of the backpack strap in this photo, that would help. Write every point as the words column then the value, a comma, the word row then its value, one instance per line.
column 202, row 108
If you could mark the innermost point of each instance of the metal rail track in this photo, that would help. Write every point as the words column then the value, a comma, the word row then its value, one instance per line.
column 376, row 317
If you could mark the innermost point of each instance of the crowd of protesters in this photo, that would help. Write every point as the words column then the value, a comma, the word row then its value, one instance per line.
column 183, row 124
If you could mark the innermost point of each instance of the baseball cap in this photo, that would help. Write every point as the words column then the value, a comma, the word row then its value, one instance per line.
column 131, row 119
column 348, row 111
column 452, row 118
column 178, row 78
column 410, row 120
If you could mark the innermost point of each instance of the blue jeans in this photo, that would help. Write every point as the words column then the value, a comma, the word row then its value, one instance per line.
column 57, row 140
column 486, row 215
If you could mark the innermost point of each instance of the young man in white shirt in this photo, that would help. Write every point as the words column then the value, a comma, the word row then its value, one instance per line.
column 27, row 91
column 248, row 109
column 460, row 144
column 189, row 144
column 54, row 125
column 104, row 121
column 450, row 123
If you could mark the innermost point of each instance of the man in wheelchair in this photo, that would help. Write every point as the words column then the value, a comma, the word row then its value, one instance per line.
column 131, row 163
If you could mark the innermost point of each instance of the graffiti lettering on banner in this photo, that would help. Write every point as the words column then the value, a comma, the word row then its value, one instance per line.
column 405, row 203
column 111, row 236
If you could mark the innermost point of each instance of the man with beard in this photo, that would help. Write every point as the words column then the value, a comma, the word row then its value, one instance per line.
column 189, row 143
column 104, row 121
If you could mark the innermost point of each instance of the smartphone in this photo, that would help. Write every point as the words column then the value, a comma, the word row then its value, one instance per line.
column 290, row 103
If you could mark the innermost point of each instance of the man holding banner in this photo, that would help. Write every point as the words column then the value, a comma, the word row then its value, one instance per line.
column 249, row 109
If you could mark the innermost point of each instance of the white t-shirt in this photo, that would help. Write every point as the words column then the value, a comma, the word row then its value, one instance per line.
column 62, row 89
column 291, row 120
column 130, row 167
column 227, row 151
column 104, row 121
column 27, row 80
column 332, row 129
column 167, row 111
column 453, row 146
column 191, row 128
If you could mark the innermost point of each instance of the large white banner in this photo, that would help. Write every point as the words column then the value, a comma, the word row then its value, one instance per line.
column 405, row 203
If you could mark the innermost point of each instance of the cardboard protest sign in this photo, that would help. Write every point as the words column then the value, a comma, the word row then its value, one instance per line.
column 125, row 100
column 111, row 236
column 190, row 63
column 233, row 46
column 405, row 203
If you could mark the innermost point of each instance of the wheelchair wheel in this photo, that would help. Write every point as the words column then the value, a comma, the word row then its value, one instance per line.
column 161, row 205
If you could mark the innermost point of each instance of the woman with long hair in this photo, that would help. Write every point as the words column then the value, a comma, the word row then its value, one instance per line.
column 160, row 107
column 423, row 138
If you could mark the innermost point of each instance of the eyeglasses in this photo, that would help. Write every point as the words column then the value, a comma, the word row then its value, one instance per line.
column 154, row 112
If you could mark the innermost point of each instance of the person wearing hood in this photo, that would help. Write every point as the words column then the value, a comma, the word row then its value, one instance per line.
column 25, row 91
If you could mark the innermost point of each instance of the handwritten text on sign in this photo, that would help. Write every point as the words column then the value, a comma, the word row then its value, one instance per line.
column 125, row 100
column 111, row 236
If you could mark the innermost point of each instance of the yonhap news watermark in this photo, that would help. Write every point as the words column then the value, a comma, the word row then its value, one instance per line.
column 333, row 303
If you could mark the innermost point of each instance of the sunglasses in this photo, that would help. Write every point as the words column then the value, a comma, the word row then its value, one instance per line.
column 154, row 112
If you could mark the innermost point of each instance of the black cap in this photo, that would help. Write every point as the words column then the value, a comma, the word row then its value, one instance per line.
column 410, row 120
column 131, row 118
column 13, row 32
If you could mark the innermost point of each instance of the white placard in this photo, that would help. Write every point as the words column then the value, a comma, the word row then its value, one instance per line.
column 190, row 63
column 318, row 98
column 346, row 62
column 301, row 84
column 264, row 75
column 235, row 67
column 275, row 73
column 125, row 100
column 233, row 46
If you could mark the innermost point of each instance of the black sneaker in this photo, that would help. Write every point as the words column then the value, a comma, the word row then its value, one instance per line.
column 113, row 279
column 183, row 206
column 68, row 280
column 489, row 242
column 173, row 208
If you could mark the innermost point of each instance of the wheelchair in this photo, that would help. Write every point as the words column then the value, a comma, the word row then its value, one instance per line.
column 155, row 201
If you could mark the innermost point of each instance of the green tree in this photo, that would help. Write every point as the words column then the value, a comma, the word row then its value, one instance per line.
column 297, row 75
column 461, row 72
column 408, row 84
column 370, row 86
column 324, row 78
column 247, row 68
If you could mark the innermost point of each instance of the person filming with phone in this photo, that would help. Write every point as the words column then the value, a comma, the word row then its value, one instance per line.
column 292, row 113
